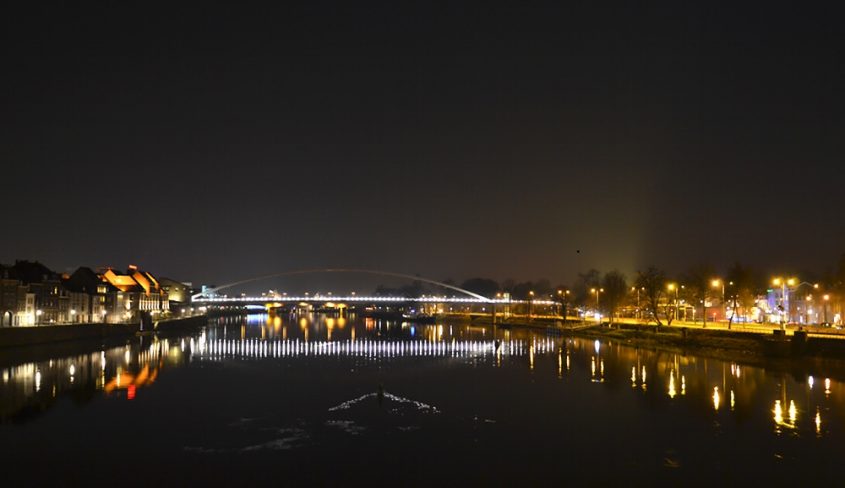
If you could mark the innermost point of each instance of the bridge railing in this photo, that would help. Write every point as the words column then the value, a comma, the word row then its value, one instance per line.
column 369, row 299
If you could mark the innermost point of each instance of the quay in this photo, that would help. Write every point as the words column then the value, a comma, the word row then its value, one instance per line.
column 26, row 336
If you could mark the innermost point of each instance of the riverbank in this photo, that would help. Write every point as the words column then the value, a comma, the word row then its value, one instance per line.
column 797, row 352
column 14, row 337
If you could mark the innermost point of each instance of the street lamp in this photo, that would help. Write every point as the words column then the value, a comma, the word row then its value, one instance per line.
column 826, row 298
column 560, row 303
column 715, row 283
column 674, row 287
column 38, row 316
column 563, row 298
column 635, row 289
column 784, row 298
column 530, row 305
column 637, row 310
column 597, row 291
column 807, row 310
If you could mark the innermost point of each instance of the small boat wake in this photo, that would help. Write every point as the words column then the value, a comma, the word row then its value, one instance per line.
column 348, row 404
column 419, row 406
column 424, row 407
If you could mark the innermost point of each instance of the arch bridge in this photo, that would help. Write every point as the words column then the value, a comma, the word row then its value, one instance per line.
column 212, row 297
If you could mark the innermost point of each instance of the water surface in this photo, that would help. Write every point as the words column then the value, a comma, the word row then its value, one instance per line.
column 314, row 399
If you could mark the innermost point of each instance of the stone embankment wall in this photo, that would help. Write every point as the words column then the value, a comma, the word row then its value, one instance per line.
column 26, row 336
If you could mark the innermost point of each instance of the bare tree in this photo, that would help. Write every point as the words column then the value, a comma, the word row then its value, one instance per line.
column 583, row 284
column 615, row 286
column 698, row 281
column 741, row 289
column 652, row 281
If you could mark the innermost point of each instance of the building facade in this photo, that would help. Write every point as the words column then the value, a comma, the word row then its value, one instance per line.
column 32, row 294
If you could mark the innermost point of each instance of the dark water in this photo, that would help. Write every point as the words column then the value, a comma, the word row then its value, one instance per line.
column 327, row 401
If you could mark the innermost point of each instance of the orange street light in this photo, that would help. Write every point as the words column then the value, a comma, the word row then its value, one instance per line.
column 674, row 287
column 597, row 291
column 531, row 305
column 784, row 297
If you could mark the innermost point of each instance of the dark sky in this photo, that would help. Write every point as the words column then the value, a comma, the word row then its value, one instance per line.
column 451, row 140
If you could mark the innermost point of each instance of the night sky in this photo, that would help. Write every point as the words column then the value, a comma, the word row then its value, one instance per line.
column 451, row 140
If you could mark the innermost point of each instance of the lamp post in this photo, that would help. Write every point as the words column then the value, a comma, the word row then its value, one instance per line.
column 531, row 305
column 597, row 291
column 639, row 309
column 825, row 299
column 784, row 298
column 674, row 287
column 561, row 296
column 807, row 310
column 498, row 297
column 38, row 317
column 637, row 313
column 715, row 283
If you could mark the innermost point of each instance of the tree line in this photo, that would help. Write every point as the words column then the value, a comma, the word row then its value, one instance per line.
column 650, row 290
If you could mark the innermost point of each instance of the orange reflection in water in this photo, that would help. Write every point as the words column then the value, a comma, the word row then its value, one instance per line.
column 129, row 382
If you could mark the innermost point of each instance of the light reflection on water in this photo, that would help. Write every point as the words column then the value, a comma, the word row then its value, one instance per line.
column 126, row 368
column 30, row 388
column 773, row 403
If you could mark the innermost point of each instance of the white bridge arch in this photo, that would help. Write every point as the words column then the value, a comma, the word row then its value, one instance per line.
column 206, row 296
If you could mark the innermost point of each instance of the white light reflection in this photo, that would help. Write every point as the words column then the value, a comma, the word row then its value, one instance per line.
column 371, row 348
column 672, row 392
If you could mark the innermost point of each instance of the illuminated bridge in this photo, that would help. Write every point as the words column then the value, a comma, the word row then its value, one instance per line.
column 248, row 300
column 211, row 297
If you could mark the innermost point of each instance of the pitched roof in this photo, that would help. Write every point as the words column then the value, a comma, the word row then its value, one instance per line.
column 32, row 272
column 85, row 280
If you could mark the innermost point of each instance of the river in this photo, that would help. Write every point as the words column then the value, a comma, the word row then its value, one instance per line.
column 322, row 400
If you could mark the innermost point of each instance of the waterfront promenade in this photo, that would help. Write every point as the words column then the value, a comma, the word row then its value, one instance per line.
column 45, row 334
